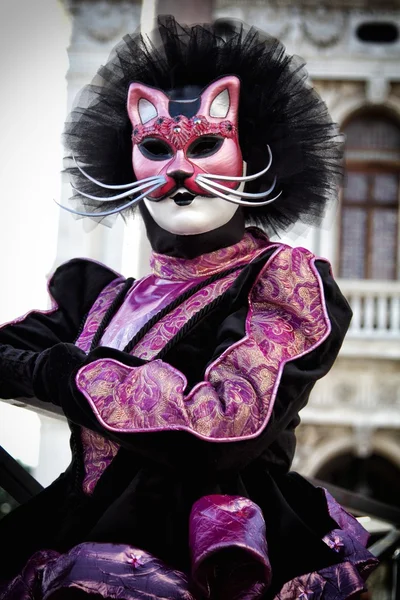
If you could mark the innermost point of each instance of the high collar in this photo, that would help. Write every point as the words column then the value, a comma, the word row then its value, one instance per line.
column 192, row 246
column 182, row 269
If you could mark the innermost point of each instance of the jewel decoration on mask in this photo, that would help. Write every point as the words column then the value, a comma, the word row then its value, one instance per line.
column 179, row 130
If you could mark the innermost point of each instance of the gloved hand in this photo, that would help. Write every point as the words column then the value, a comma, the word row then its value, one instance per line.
column 55, row 370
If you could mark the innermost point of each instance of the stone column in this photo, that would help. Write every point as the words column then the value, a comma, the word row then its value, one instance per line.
column 97, row 26
column 186, row 11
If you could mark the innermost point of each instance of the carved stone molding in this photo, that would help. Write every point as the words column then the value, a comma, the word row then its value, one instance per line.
column 323, row 27
column 272, row 19
column 103, row 21
column 345, row 97
column 363, row 442
column 317, row 29
column 342, row 4
column 357, row 393
column 341, row 97
column 317, row 444
column 377, row 89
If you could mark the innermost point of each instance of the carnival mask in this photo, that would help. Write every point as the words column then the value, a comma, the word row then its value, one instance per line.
column 186, row 158
column 180, row 141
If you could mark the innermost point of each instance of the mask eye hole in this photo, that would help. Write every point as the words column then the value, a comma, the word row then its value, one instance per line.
column 205, row 145
column 155, row 149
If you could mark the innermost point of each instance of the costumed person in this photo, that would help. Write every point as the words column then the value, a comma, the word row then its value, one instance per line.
column 183, row 389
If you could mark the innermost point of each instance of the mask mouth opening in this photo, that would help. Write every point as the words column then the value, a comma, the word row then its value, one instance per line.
column 183, row 198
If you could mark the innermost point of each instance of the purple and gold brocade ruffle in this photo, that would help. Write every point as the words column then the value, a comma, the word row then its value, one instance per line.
column 286, row 319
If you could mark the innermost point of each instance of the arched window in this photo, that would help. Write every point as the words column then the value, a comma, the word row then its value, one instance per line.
column 369, row 244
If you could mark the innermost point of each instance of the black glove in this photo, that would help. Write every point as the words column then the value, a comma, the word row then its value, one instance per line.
column 55, row 370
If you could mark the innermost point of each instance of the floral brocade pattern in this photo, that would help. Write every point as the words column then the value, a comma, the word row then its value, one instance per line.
column 159, row 335
column 182, row 269
column 97, row 313
column 287, row 318
column 287, row 315
column 98, row 452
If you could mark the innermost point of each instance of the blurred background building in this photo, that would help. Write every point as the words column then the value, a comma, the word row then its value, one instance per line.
column 350, row 431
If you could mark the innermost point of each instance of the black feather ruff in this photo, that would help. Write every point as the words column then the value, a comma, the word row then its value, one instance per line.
column 277, row 107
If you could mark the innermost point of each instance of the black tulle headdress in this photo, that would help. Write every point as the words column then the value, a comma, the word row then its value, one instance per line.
column 278, row 109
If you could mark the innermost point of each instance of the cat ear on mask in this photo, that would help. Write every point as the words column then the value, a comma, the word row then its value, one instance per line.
column 145, row 103
column 220, row 99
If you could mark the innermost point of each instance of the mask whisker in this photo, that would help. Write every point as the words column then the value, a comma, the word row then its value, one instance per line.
column 244, row 178
column 215, row 192
column 159, row 181
column 113, row 210
column 249, row 195
column 123, row 186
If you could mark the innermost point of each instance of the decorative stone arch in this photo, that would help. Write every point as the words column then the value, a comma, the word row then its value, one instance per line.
column 326, row 451
column 393, row 103
column 347, row 108
column 352, row 108
column 387, row 447
column 381, row 444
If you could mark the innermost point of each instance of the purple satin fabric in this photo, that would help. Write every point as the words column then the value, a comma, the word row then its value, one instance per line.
column 115, row 571
column 171, row 277
column 345, row 579
column 229, row 548
column 147, row 298
column 27, row 584
column 229, row 562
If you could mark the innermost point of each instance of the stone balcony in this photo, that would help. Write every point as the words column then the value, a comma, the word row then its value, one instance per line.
column 375, row 327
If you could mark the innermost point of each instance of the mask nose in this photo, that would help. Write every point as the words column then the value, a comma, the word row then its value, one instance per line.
column 180, row 169
column 180, row 176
